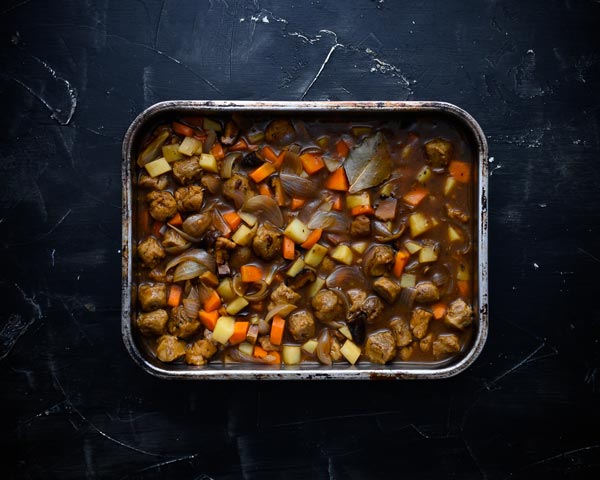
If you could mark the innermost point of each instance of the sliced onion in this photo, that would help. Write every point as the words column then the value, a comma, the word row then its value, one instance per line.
column 211, row 136
column 188, row 237
column 263, row 327
column 204, row 292
column 152, row 150
column 195, row 225
column 298, row 187
column 187, row 270
column 212, row 182
column 324, row 347
column 291, row 162
column 272, row 270
column 346, row 277
column 196, row 255
column 191, row 304
column 178, row 248
column 282, row 310
column 219, row 222
column 260, row 294
column 265, row 208
column 227, row 164
column 308, row 210
column 407, row 297
column 238, row 356
column 238, row 287
column 332, row 163
column 330, row 221
column 383, row 235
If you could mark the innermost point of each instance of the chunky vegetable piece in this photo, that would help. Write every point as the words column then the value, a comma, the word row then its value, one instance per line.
column 289, row 240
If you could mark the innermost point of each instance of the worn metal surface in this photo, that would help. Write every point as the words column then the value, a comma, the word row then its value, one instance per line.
column 305, row 372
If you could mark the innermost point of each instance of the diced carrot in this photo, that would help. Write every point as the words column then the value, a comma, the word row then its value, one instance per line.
column 251, row 273
column 271, row 156
column 463, row 288
column 213, row 302
column 362, row 210
column 289, row 248
column 240, row 329
column 209, row 278
column 175, row 220
column 277, row 327
column 157, row 228
column 461, row 171
column 241, row 144
column 313, row 238
column 297, row 203
column 182, row 129
column 337, row 181
column 262, row 172
column 209, row 319
column 337, row 203
column 259, row 352
column 280, row 158
column 400, row 262
column 279, row 192
column 232, row 219
column 439, row 310
column 174, row 296
column 264, row 189
column 415, row 196
column 342, row 148
column 312, row 163
column 217, row 151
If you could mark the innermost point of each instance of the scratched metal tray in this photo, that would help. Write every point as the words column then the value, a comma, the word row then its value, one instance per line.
column 150, row 117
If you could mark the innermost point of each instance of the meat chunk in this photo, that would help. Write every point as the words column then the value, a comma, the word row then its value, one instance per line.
column 327, row 265
column 380, row 347
column 357, row 296
column 387, row 289
column 153, row 323
column 162, row 205
column 406, row 352
column 199, row 352
column 173, row 241
column 456, row 213
column 189, row 199
column 238, row 188
column 425, row 343
column 159, row 275
column 335, row 352
column 387, row 210
column 328, row 306
column 152, row 296
column 301, row 325
column 187, row 171
column 240, row 256
column 283, row 294
column 267, row 242
column 265, row 343
column 426, row 292
column 156, row 183
column 459, row 314
column 445, row 344
column 419, row 322
column 180, row 324
column 360, row 226
column 280, row 132
column 305, row 276
column 150, row 252
column 401, row 330
column 438, row 152
column 378, row 259
column 169, row 348
column 371, row 308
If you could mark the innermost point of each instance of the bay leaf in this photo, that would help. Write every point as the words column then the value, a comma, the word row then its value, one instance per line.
column 368, row 164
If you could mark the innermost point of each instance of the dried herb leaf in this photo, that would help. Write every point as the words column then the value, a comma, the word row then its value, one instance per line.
column 368, row 164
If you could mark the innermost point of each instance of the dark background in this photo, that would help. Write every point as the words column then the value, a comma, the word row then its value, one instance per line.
column 74, row 74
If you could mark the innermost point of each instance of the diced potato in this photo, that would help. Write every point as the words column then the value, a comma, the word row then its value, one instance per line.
column 453, row 234
column 236, row 305
column 208, row 162
column 171, row 153
column 246, row 348
column 315, row 287
column 157, row 167
column 243, row 235
column 345, row 331
column 225, row 290
column 358, row 200
column 408, row 280
column 434, row 222
column 428, row 254
column 463, row 272
column 291, row 354
column 296, row 267
column 449, row 185
column 350, row 351
column 412, row 247
column 315, row 255
column 210, row 124
column 424, row 175
column 223, row 329
column 310, row 346
column 343, row 254
column 360, row 247
column 297, row 231
column 386, row 190
column 418, row 224
column 248, row 218
column 190, row 146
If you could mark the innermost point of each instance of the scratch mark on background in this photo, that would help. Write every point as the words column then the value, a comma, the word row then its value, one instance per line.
column 44, row 235
column 593, row 257
column 16, row 326
column 327, row 57
column 568, row 453
column 162, row 7
column 14, row 7
column 72, row 91
column 515, row 367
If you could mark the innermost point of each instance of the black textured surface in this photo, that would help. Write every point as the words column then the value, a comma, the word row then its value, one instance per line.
column 73, row 74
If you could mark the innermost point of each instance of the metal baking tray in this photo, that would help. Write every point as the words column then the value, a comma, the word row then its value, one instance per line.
column 235, row 371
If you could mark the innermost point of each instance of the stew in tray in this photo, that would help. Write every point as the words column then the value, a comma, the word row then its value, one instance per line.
column 290, row 240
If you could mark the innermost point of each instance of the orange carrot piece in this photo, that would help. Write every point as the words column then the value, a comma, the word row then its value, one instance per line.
column 289, row 248
column 241, row 144
column 175, row 220
column 277, row 327
column 232, row 219
column 174, row 296
column 259, row 352
column 342, row 148
column 264, row 189
column 337, row 203
column 209, row 319
column 297, row 203
column 461, row 171
column 439, row 310
column 262, row 172
column 271, row 156
column 312, row 163
column 213, row 302
column 251, row 273
column 313, row 238
column 182, row 129
column 400, row 262
column 415, row 196
column 337, row 181
column 240, row 329
column 217, row 151
column 362, row 210
column 156, row 228
column 463, row 288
